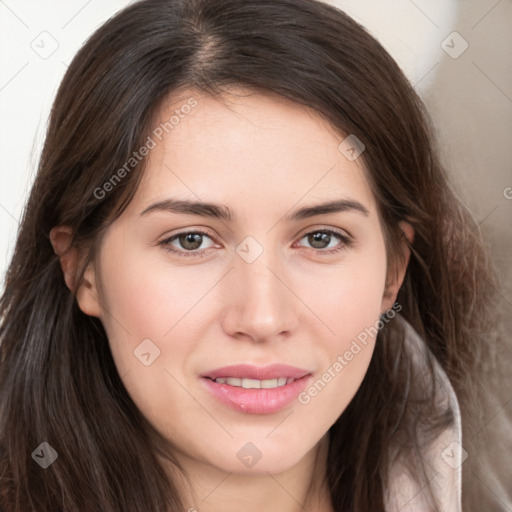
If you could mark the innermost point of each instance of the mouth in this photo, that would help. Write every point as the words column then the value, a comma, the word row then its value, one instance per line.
column 256, row 390
column 247, row 383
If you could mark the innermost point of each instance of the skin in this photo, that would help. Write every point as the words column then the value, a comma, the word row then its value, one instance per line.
column 263, row 157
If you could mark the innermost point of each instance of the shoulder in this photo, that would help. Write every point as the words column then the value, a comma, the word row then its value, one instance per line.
column 442, row 458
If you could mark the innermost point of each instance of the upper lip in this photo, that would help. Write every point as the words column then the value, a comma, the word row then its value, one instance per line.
column 249, row 371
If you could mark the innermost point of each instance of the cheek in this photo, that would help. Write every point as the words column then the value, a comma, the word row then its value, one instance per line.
column 146, row 296
column 141, row 301
column 155, row 316
column 350, row 305
column 145, row 312
column 350, row 297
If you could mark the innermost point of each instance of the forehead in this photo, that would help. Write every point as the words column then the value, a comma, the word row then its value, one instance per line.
column 247, row 144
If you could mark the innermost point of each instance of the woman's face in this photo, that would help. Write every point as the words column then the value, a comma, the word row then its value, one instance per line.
column 275, row 283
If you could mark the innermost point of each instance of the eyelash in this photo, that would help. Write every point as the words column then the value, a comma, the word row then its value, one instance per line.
column 346, row 242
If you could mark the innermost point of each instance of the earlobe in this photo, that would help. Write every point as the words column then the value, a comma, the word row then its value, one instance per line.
column 396, row 276
column 69, row 256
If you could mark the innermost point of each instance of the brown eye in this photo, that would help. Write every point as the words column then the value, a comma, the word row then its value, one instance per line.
column 188, row 243
column 319, row 240
column 326, row 240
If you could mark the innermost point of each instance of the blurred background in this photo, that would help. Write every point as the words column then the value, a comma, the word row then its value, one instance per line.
column 456, row 53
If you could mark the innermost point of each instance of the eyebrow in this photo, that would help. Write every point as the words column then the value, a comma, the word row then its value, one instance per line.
column 222, row 212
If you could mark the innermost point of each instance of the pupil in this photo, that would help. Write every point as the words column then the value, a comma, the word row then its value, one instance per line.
column 191, row 238
column 319, row 240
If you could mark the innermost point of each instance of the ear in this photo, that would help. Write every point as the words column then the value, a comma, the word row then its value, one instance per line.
column 86, row 292
column 396, row 276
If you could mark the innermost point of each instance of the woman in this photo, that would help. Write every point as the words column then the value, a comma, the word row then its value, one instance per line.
column 241, row 280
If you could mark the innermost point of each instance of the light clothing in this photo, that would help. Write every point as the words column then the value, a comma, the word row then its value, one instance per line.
column 444, row 457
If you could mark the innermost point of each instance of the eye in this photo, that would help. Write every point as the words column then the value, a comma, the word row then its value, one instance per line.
column 187, row 243
column 190, row 243
column 328, row 241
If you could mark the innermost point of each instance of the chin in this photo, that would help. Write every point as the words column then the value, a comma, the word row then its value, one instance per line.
column 263, row 456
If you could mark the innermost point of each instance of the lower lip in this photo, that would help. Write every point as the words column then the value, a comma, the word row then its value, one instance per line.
column 257, row 401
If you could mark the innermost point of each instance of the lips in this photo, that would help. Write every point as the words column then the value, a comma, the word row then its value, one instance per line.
column 246, row 371
column 256, row 390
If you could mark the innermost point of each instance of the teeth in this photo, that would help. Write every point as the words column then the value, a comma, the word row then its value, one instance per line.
column 255, row 383
column 251, row 383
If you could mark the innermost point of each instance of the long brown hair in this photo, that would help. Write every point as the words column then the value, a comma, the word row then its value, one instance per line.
column 58, row 381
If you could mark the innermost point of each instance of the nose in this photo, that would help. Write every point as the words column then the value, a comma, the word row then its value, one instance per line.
column 260, row 304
